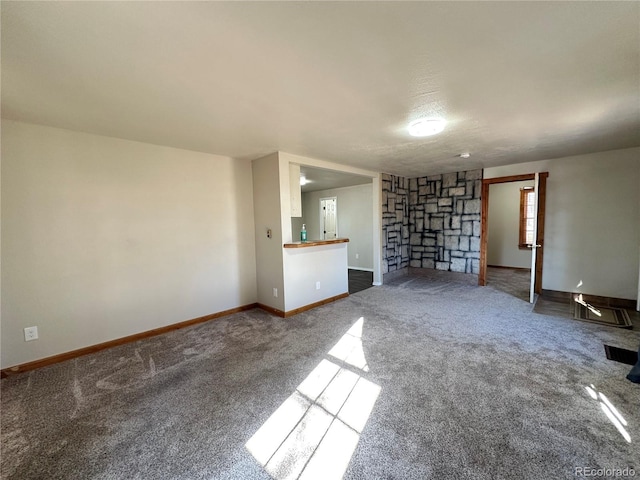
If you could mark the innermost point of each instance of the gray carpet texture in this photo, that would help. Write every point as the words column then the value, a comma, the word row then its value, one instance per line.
column 422, row 378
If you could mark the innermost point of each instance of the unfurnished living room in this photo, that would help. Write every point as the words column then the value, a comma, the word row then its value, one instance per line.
column 295, row 240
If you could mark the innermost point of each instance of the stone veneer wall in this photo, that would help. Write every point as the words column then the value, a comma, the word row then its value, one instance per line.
column 395, row 223
column 432, row 222
column 444, row 221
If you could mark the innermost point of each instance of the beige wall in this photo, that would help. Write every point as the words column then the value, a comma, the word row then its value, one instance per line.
column 103, row 238
column 592, row 228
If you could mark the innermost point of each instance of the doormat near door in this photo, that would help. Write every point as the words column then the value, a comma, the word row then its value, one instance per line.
column 621, row 355
column 613, row 317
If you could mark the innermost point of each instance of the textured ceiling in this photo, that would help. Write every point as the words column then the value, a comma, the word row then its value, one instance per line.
column 339, row 81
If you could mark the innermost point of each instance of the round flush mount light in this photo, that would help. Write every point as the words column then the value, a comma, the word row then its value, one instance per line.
column 303, row 180
column 465, row 155
column 426, row 126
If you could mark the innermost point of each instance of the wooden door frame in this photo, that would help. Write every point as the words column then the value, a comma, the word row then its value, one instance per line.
column 484, row 226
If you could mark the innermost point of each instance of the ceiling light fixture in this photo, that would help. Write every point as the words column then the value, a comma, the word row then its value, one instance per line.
column 303, row 180
column 426, row 126
column 465, row 155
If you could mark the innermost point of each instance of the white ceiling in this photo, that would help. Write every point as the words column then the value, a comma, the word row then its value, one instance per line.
column 339, row 81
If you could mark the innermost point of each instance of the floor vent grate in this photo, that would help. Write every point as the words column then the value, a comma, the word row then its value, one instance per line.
column 622, row 355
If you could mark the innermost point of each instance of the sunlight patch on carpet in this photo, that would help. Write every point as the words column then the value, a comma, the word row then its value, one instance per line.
column 612, row 413
column 314, row 433
column 349, row 348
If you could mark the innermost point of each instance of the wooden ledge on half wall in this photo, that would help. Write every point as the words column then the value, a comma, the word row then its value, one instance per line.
column 315, row 243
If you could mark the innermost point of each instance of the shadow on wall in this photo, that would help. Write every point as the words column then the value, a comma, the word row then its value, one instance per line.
column 240, row 200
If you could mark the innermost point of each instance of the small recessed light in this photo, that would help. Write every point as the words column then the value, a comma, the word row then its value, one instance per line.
column 426, row 126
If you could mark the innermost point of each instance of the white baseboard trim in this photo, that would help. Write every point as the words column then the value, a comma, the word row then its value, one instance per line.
column 376, row 284
column 361, row 269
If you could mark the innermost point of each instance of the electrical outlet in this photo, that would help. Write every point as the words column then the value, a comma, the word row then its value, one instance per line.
column 357, row 256
column 317, row 285
column 30, row 333
column 275, row 292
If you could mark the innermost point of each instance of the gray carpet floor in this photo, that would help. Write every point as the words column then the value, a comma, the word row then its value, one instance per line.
column 424, row 377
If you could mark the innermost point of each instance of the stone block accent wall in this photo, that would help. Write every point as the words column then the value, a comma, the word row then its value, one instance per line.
column 432, row 222
column 395, row 223
column 444, row 221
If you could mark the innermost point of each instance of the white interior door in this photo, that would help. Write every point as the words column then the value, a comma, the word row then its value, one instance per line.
column 328, row 218
column 534, row 243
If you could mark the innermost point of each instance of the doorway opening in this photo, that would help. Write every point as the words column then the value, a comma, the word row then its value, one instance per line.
column 359, row 194
column 514, row 279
